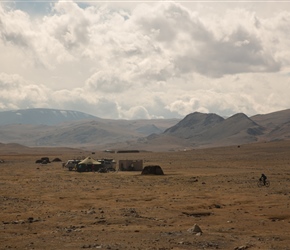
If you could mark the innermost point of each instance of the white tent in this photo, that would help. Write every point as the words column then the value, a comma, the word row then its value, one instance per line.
column 89, row 161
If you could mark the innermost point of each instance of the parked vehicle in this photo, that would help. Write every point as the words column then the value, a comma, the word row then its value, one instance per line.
column 71, row 164
column 109, row 164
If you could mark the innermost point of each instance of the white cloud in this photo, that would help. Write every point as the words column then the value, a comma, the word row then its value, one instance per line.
column 107, row 82
column 137, row 112
column 15, row 92
column 146, row 60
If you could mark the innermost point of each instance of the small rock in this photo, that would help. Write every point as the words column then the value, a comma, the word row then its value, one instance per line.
column 241, row 248
column 195, row 229
column 91, row 212
column 30, row 219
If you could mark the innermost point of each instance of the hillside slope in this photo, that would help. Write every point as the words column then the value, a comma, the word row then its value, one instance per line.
column 194, row 124
column 199, row 130
column 44, row 127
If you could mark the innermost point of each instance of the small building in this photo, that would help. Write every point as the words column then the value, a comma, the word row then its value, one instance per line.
column 130, row 165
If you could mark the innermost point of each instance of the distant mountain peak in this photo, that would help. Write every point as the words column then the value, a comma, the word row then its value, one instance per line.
column 37, row 116
column 196, row 122
column 241, row 118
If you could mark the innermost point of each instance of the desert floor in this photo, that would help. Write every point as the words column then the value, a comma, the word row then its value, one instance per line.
column 49, row 207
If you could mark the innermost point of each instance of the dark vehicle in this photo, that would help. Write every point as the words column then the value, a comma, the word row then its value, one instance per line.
column 71, row 164
column 108, row 164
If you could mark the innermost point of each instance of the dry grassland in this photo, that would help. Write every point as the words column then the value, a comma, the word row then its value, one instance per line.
column 49, row 207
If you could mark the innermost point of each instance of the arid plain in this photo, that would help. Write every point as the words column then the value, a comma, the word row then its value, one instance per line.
column 49, row 207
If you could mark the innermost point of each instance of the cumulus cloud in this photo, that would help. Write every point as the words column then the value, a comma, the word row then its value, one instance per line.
column 137, row 112
column 15, row 92
column 151, row 60
column 107, row 82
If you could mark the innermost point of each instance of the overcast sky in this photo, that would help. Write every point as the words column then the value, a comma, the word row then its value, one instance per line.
column 145, row 59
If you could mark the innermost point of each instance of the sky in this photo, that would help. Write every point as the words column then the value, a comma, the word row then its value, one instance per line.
column 145, row 59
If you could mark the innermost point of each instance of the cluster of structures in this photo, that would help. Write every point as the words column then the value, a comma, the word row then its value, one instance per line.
column 91, row 165
column 104, row 165
column 45, row 160
column 109, row 165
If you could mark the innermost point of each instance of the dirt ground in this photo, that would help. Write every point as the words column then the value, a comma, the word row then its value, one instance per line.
column 49, row 207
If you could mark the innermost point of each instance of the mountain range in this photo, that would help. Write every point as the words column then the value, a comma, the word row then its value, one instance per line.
column 62, row 128
column 199, row 130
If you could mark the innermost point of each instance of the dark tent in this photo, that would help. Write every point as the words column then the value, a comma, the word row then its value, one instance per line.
column 152, row 169
column 56, row 160
column 45, row 160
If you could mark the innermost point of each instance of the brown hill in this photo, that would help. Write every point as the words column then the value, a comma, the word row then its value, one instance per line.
column 272, row 120
column 237, row 129
column 277, row 125
column 18, row 149
column 198, row 130
column 194, row 124
column 83, row 133
column 212, row 128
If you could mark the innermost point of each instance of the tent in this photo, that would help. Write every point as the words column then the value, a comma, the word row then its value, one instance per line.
column 152, row 169
column 89, row 164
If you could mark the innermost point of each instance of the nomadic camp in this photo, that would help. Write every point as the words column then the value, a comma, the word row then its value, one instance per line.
column 89, row 164
column 130, row 165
